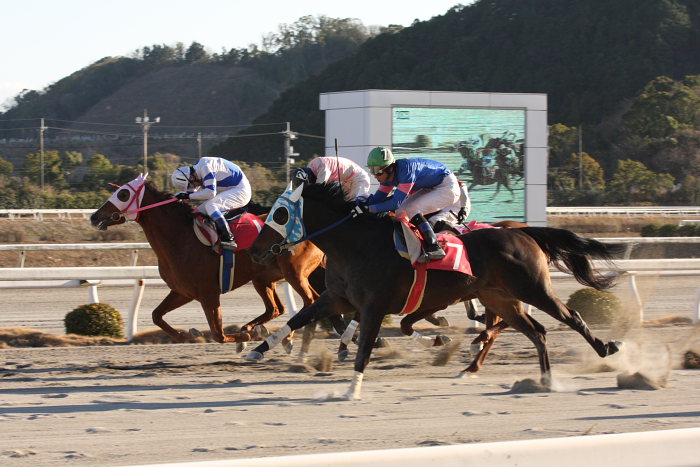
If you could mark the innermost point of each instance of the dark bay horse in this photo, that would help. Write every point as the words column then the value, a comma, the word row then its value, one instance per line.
column 191, row 270
column 365, row 274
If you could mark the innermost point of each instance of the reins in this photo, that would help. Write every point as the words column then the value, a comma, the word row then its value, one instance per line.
column 135, row 200
column 277, row 248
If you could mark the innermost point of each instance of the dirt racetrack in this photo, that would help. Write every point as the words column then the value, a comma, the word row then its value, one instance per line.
column 140, row 404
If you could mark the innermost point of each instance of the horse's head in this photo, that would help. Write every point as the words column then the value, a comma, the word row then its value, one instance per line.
column 284, row 225
column 121, row 206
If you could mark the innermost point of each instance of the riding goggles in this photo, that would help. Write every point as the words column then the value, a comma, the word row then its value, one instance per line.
column 378, row 170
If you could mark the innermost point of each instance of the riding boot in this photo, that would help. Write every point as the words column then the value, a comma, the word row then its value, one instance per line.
column 225, row 236
column 432, row 248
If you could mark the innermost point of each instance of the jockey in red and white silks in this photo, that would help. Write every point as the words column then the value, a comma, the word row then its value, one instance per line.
column 353, row 178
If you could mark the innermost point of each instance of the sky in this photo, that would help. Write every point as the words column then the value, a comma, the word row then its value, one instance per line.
column 46, row 40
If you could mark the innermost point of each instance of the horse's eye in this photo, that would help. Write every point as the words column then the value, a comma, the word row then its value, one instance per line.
column 123, row 195
column 280, row 216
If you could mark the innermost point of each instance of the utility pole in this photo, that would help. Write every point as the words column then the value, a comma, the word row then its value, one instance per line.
column 146, row 123
column 42, row 129
column 580, row 158
column 289, row 153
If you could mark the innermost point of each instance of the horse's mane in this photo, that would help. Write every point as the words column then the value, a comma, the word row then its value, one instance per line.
column 163, row 195
column 331, row 195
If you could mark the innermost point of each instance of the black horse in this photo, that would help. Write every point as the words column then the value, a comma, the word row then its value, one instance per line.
column 365, row 274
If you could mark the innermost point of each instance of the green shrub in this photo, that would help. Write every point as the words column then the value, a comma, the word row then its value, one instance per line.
column 650, row 230
column 668, row 230
column 596, row 306
column 95, row 319
column 687, row 230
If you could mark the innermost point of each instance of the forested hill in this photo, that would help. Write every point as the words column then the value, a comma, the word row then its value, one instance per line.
column 589, row 56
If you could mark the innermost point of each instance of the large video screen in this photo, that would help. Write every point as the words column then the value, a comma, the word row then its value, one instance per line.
column 483, row 147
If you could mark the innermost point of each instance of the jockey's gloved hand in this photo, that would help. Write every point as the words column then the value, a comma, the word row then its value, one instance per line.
column 183, row 195
column 360, row 208
column 461, row 216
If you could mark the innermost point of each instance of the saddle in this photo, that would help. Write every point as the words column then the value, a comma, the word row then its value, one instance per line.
column 409, row 244
column 245, row 228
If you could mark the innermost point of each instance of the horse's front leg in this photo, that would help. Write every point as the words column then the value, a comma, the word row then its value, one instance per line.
column 407, row 328
column 172, row 301
column 320, row 309
column 298, row 280
column 370, row 323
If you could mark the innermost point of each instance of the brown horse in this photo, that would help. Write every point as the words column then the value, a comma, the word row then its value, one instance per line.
column 366, row 274
column 191, row 270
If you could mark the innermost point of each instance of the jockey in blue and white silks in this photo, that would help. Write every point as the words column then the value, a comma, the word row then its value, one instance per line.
column 221, row 186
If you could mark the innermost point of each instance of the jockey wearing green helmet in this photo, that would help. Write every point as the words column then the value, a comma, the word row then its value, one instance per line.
column 419, row 186
column 379, row 158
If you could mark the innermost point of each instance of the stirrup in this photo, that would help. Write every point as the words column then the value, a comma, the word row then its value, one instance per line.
column 228, row 244
column 435, row 253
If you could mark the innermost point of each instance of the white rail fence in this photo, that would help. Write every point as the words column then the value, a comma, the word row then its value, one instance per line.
column 40, row 214
column 93, row 277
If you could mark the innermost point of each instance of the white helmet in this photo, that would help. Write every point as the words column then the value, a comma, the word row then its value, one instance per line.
column 181, row 178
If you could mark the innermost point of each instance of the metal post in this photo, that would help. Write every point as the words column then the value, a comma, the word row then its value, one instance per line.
column 288, row 150
column 580, row 158
column 199, row 144
column 146, row 123
column 42, row 129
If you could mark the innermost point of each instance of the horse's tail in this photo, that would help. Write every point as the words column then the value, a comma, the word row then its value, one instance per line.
column 564, row 246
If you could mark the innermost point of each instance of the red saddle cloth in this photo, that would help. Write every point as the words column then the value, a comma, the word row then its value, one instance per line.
column 245, row 229
column 456, row 259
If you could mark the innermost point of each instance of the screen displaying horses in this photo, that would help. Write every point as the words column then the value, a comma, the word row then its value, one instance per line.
column 483, row 147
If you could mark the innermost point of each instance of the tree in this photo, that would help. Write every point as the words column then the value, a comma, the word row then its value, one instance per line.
column 6, row 167
column 53, row 172
column 196, row 53
column 634, row 182
column 563, row 141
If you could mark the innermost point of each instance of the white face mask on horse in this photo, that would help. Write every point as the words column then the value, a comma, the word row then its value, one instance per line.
column 128, row 197
column 286, row 215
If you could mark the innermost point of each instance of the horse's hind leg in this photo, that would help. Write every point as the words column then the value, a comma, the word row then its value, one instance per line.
column 172, row 301
column 485, row 340
column 513, row 312
column 550, row 304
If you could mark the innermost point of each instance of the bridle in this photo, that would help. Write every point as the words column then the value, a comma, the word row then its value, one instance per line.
column 294, row 222
column 131, row 208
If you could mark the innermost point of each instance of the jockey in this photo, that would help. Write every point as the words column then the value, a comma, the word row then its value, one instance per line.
column 422, row 186
column 221, row 185
column 353, row 178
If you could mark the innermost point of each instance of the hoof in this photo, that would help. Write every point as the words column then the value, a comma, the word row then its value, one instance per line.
column 195, row 332
column 381, row 342
column 614, row 347
column 441, row 340
column 288, row 347
column 342, row 355
column 253, row 356
column 261, row 331
column 241, row 346
column 442, row 322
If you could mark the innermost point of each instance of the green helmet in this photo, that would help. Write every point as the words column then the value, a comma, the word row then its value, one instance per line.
column 380, row 157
